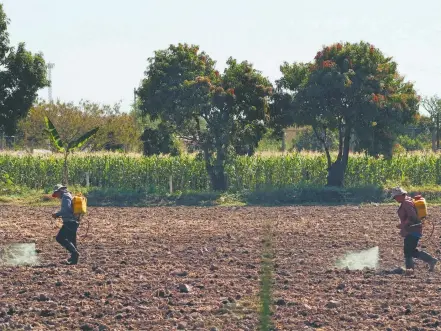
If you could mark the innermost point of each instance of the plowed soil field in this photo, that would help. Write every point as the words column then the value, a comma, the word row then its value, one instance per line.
column 194, row 268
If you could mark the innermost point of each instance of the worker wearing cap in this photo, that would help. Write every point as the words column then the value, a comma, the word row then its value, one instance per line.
column 67, row 236
column 410, row 229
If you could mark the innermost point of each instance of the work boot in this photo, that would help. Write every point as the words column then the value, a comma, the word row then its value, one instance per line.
column 69, row 260
column 409, row 263
column 73, row 254
column 74, row 258
column 432, row 264
column 428, row 259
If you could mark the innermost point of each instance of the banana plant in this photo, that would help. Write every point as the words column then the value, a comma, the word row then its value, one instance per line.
column 66, row 147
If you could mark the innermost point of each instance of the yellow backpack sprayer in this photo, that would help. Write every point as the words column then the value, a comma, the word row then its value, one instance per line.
column 79, row 205
column 421, row 210
column 79, row 202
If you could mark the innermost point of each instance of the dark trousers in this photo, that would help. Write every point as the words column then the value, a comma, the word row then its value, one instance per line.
column 67, row 236
column 411, row 252
column 410, row 247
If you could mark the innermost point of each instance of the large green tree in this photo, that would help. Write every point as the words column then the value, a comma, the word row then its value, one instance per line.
column 352, row 88
column 210, row 110
column 433, row 106
column 22, row 74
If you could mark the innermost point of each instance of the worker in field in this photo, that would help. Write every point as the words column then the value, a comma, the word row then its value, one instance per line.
column 67, row 236
column 411, row 230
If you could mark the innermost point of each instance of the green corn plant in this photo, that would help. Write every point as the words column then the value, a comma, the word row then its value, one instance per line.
column 66, row 147
column 189, row 173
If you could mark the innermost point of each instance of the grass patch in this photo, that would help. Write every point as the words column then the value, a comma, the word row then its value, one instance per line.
column 4, row 199
column 28, row 197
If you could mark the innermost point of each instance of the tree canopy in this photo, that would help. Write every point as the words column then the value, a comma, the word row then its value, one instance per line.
column 22, row 74
column 433, row 106
column 212, row 110
column 352, row 88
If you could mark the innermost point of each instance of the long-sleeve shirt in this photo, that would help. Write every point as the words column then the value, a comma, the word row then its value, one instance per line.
column 408, row 216
column 66, row 210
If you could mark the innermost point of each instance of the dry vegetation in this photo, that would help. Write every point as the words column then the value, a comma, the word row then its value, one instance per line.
column 198, row 269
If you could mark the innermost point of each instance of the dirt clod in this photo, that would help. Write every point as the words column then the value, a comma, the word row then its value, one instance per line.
column 86, row 327
column 280, row 302
column 332, row 304
column 182, row 325
column 184, row 288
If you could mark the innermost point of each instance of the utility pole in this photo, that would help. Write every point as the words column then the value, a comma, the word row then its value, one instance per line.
column 50, row 66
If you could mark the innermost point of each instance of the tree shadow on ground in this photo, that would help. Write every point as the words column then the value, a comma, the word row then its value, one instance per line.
column 275, row 197
column 100, row 197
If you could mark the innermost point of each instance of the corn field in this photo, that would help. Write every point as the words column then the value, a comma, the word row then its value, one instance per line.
column 152, row 174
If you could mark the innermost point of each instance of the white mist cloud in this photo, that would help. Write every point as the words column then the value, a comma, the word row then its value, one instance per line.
column 358, row 260
column 17, row 254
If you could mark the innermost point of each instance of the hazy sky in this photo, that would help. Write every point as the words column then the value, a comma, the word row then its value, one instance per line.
column 100, row 48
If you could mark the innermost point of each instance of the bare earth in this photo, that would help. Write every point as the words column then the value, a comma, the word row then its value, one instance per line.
column 199, row 269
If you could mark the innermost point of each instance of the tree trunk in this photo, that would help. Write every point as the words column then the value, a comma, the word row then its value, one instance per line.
column 218, row 179
column 283, row 140
column 216, row 171
column 65, row 170
column 336, row 172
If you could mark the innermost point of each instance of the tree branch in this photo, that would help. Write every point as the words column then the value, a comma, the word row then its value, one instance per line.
column 328, row 155
column 340, row 140
column 432, row 105
column 347, row 140
column 186, row 138
column 204, row 145
column 198, row 125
